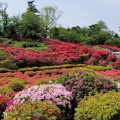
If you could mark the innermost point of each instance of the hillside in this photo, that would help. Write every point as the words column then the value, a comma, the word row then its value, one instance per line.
column 27, row 63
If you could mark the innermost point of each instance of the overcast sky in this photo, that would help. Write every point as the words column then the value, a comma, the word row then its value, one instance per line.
column 76, row 12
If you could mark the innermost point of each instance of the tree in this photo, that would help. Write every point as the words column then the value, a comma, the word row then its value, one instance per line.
column 31, row 7
column 49, row 15
column 30, row 25
column 30, row 22
column 4, row 20
column 96, row 28
column 14, row 26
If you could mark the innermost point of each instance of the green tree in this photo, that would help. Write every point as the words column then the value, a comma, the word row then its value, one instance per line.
column 30, row 25
column 49, row 15
column 14, row 26
column 4, row 20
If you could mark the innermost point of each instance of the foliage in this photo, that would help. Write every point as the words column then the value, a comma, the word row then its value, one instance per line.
column 30, row 25
column 99, row 107
column 113, row 41
column 7, row 61
column 36, row 110
column 81, row 84
column 44, row 81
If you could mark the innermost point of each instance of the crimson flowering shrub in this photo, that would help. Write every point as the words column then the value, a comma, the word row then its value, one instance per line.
column 114, row 74
column 112, row 48
column 3, row 101
column 101, row 57
column 116, row 65
column 102, row 63
column 36, row 110
column 111, row 58
column 81, row 84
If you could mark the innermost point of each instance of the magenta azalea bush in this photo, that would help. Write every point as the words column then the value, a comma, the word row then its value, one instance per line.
column 82, row 84
column 56, row 93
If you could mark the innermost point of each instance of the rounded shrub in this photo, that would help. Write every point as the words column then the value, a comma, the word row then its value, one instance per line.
column 17, row 84
column 36, row 110
column 99, row 107
column 81, row 84
column 7, row 61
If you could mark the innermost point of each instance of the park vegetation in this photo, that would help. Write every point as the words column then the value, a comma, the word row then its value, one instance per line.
column 55, row 73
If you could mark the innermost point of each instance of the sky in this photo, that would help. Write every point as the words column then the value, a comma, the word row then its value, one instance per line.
column 81, row 13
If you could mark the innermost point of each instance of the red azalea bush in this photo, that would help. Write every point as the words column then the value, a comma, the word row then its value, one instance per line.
column 102, row 63
column 3, row 101
column 115, row 74
column 116, row 65
column 112, row 48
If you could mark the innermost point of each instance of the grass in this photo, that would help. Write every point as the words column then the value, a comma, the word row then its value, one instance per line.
column 28, row 44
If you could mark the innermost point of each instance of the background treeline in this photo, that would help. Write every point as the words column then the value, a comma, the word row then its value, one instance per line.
column 95, row 34
column 36, row 23
column 30, row 24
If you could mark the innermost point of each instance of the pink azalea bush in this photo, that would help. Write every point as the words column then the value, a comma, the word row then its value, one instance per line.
column 56, row 93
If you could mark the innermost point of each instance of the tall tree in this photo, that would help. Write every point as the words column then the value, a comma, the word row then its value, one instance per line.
column 30, row 22
column 49, row 15
column 31, row 7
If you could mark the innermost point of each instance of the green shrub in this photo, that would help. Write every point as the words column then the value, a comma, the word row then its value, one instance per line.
column 99, row 107
column 17, row 84
column 5, row 90
column 7, row 61
column 43, row 81
column 36, row 110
